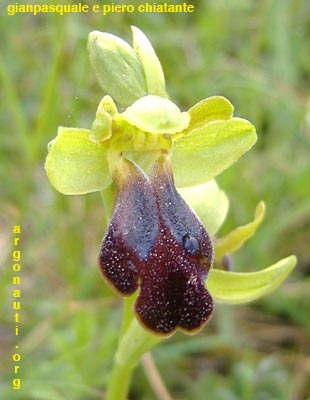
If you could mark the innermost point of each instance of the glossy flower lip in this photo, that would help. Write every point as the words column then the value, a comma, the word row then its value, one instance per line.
column 157, row 243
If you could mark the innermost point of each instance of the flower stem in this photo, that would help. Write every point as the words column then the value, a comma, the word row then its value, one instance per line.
column 134, row 342
column 119, row 382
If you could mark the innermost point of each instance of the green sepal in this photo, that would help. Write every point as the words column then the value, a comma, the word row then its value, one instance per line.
column 154, row 75
column 236, row 238
column 117, row 67
column 209, row 202
column 239, row 287
column 102, row 125
column 203, row 153
column 210, row 109
column 156, row 115
column 75, row 164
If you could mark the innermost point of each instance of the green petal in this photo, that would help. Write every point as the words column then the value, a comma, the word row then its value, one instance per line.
column 235, row 239
column 76, row 165
column 102, row 125
column 204, row 153
column 117, row 67
column 155, row 114
column 209, row 202
column 107, row 104
column 237, row 287
column 210, row 109
column 154, row 76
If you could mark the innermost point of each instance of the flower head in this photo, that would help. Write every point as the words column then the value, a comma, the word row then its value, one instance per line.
column 155, row 242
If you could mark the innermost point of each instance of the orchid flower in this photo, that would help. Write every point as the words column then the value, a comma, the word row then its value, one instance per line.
column 160, row 164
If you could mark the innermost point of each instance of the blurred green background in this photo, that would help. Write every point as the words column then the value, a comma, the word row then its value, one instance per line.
column 256, row 53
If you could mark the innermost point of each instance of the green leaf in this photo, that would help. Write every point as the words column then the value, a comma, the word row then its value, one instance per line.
column 235, row 239
column 117, row 67
column 209, row 202
column 76, row 165
column 203, row 153
column 238, row 287
column 154, row 76
column 210, row 109
column 156, row 115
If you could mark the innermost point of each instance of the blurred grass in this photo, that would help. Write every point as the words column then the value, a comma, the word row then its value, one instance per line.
column 254, row 53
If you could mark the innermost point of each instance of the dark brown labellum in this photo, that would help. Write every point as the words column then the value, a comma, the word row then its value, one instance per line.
column 156, row 242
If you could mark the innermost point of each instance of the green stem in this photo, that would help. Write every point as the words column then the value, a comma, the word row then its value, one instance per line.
column 119, row 382
column 134, row 342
